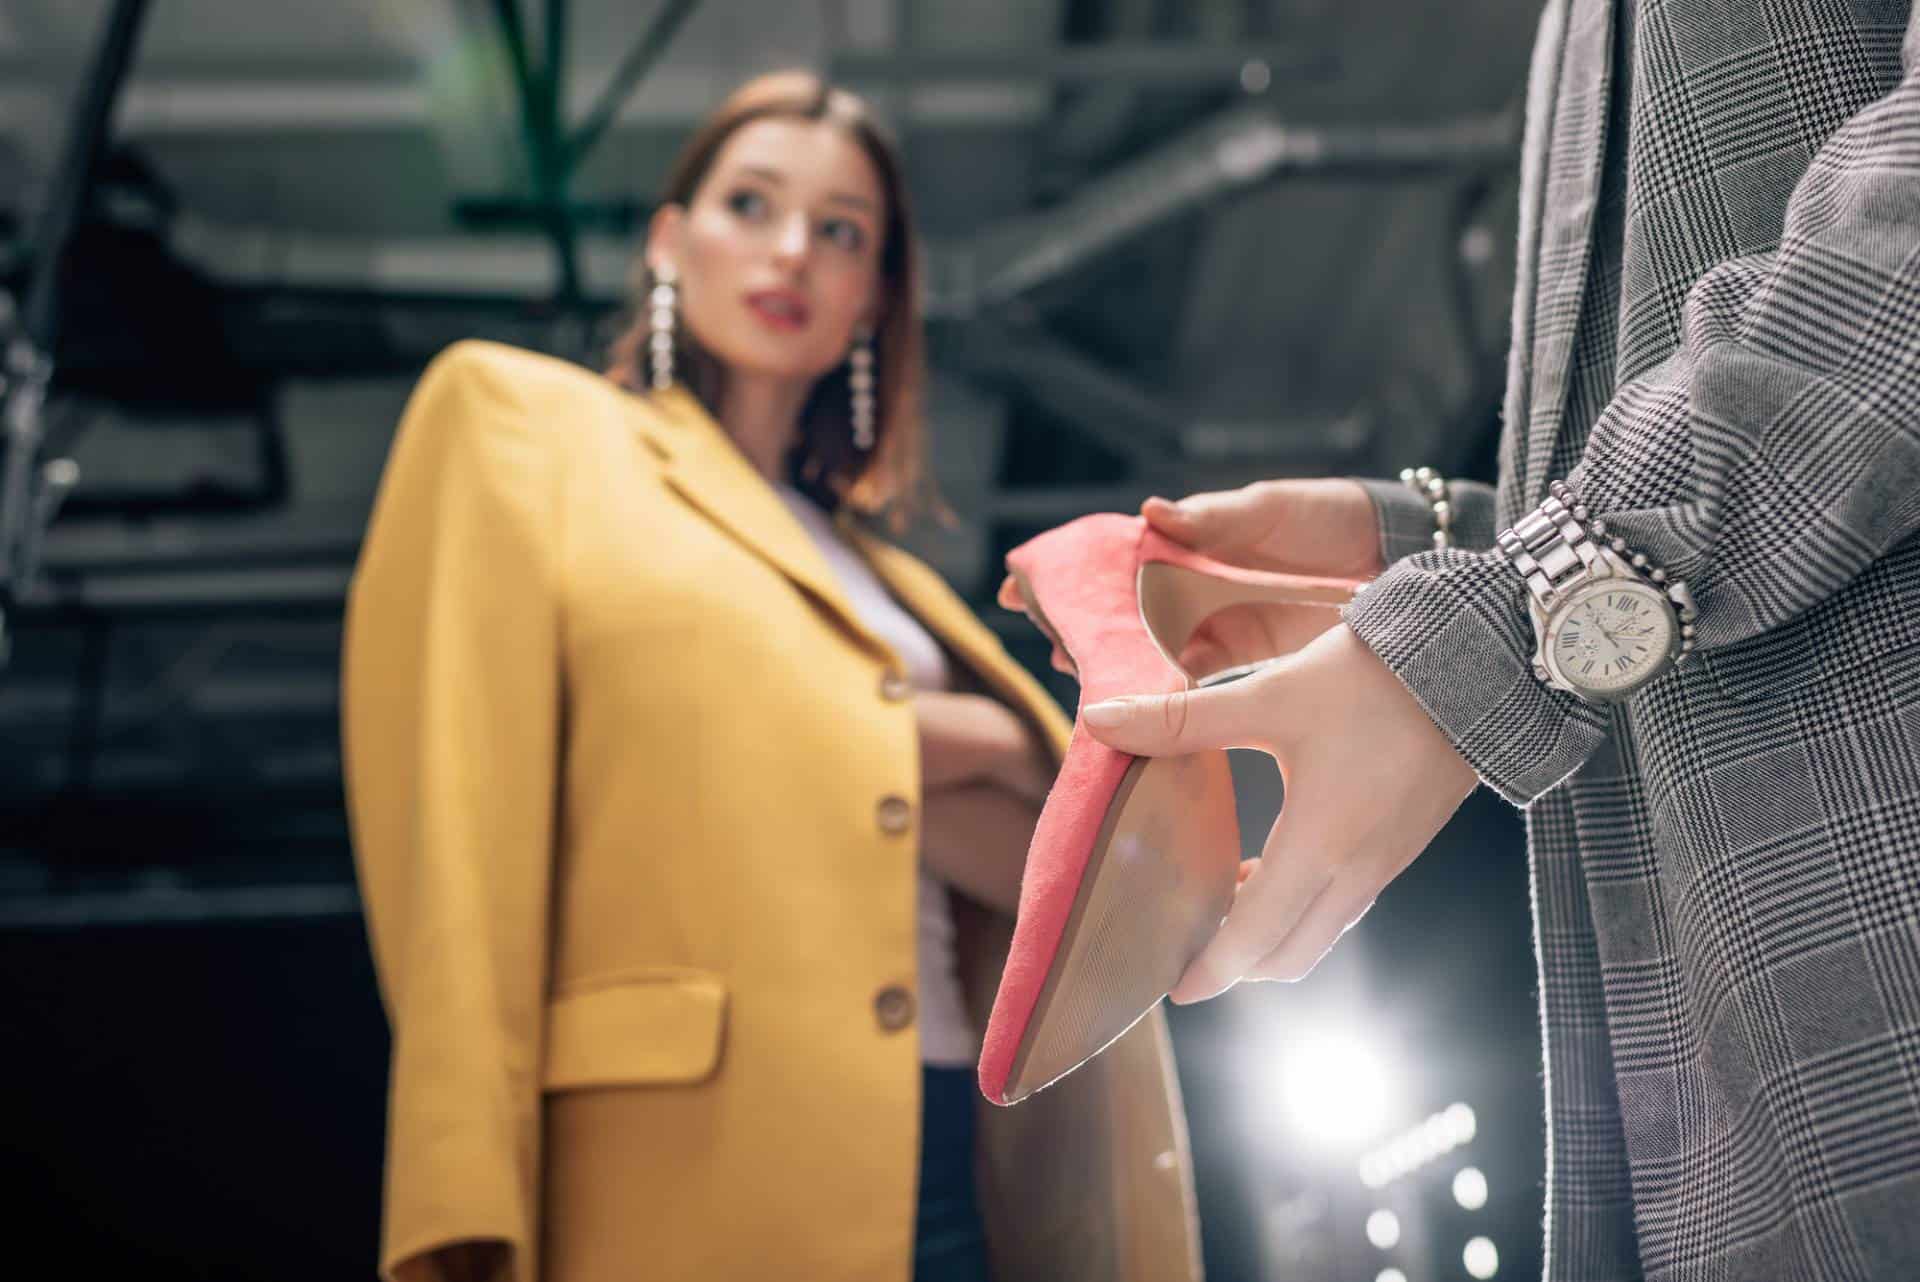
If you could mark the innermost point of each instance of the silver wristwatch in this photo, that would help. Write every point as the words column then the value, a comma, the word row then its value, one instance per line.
column 1605, row 620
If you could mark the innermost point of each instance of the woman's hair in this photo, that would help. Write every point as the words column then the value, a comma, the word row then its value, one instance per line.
column 892, row 476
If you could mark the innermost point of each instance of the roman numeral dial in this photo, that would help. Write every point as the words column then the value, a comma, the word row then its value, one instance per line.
column 1609, row 637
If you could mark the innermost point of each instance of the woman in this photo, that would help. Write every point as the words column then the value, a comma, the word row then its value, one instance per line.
column 644, row 731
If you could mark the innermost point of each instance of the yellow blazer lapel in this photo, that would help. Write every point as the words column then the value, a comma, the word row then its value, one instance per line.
column 706, row 468
column 702, row 464
column 944, row 614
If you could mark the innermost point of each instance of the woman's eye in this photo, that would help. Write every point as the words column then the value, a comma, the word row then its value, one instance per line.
column 747, row 204
column 846, row 235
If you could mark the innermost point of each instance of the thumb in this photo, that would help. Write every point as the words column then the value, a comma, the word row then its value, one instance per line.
column 1211, row 521
column 1170, row 725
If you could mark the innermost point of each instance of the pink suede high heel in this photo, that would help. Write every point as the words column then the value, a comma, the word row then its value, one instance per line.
column 1135, row 859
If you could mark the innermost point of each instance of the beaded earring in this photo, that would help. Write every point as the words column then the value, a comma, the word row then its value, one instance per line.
column 860, row 380
column 664, row 302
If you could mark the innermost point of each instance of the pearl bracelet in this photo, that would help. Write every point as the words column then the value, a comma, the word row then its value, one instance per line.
column 1432, row 487
column 1676, row 589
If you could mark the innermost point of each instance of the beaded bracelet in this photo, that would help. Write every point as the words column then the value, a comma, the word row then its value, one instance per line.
column 1432, row 487
column 1676, row 589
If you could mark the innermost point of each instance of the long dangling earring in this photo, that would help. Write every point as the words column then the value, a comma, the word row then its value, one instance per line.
column 665, row 301
column 860, row 380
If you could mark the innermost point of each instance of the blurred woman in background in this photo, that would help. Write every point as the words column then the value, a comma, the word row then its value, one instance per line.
column 689, row 811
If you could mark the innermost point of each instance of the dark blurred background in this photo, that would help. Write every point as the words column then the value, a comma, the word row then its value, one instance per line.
column 1176, row 245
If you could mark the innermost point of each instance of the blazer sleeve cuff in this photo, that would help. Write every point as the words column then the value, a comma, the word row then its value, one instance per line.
column 1406, row 519
column 1453, row 627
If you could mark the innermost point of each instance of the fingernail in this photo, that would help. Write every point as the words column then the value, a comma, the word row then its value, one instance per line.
column 1106, row 714
column 1190, row 990
column 1186, row 993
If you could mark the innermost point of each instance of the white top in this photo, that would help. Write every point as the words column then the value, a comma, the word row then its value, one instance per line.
column 947, row 1036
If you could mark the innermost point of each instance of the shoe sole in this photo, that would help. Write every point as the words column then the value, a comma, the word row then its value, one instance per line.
column 1158, row 881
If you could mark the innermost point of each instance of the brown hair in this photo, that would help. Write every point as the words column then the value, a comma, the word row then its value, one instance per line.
column 892, row 476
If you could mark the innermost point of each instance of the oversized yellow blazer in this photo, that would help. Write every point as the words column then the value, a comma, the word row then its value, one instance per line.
column 635, row 808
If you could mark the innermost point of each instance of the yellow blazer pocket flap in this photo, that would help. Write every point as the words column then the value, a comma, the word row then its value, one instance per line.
column 636, row 1032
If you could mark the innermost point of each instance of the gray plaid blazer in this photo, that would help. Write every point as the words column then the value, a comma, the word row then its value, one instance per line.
column 1717, row 341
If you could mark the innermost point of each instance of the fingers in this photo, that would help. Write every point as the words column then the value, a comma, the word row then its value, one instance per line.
column 1203, row 656
column 1338, row 909
column 1250, row 633
column 1167, row 517
column 1369, row 781
column 1324, row 526
column 1270, row 903
column 1009, row 597
column 1012, row 598
column 1190, row 520
column 1217, row 521
column 1162, row 725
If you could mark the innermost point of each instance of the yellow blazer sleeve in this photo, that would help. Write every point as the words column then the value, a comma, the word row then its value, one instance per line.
column 450, row 705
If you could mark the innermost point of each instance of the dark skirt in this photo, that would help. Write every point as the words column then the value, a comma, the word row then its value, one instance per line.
column 949, row 1244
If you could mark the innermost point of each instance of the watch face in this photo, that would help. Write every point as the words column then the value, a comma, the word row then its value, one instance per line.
column 1613, row 636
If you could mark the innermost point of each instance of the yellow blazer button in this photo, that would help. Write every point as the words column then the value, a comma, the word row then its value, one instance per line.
column 893, row 1008
column 894, row 687
column 895, row 815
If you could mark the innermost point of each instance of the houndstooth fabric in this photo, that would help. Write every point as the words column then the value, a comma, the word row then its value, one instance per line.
column 1717, row 342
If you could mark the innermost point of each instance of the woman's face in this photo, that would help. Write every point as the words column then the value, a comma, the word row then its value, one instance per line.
column 778, row 253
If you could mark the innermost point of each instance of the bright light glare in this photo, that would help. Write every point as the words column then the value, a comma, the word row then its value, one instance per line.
column 1383, row 1229
column 1335, row 1090
column 1389, row 1275
column 1470, row 1188
column 1460, row 1117
column 1480, row 1258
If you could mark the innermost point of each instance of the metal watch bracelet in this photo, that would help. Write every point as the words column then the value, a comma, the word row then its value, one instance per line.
column 1553, row 545
column 1549, row 545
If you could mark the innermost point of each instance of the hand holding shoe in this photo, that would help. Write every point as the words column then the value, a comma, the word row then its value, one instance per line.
column 1323, row 527
column 1369, row 781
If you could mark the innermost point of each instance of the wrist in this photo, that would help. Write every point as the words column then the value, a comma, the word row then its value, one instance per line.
column 1402, row 521
column 1455, row 631
column 1606, row 620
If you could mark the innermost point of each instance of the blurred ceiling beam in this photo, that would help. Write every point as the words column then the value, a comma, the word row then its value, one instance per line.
column 1107, row 406
column 640, row 60
column 1241, row 147
column 251, row 104
column 553, row 148
column 1089, row 119
column 1141, row 64
column 1158, row 437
